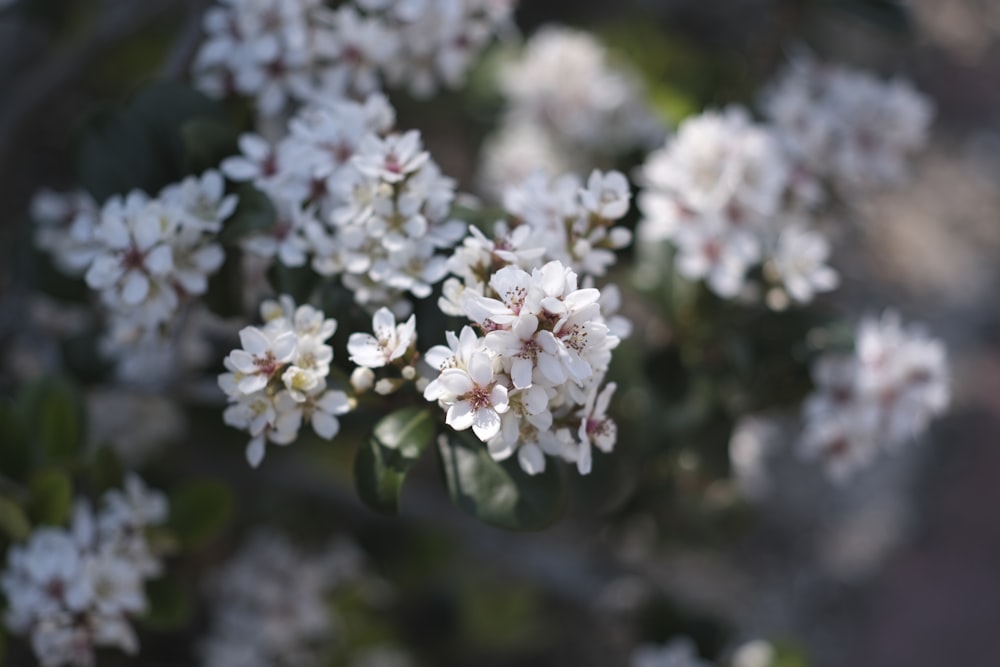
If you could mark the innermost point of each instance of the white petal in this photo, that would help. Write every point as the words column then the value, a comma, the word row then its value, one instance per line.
column 486, row 424
column 325, row 425
column 254, row 341
column 135, row 287
column 255, row 451
column 520, row 372
column 531, row 459
column 457, row 382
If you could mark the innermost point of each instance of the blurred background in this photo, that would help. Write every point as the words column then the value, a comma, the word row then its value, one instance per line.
column 900, row 567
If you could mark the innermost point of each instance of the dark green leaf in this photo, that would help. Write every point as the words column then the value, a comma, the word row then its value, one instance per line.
column 53, row 412
column 170, row 604
column 106, row 471
column 199, row 511
column 15, row 451
column 140, row 145
column 890, row 15
column 51, row 497
column 254, row 214
column 13, row 521
column 297, row 282
column 500, row 494
column 207, row 141
column 382, row 464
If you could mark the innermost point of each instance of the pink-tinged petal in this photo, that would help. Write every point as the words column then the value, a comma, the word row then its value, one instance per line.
column 481, row 369
column 531, row 459
column 254, row 341
column 334, row 403
column 160, row 261
column 255, row 452
column 498, row 398
column 455, row 381
column 607, row 436
column 252, row 383
column 135, row 288
column 486, row 424
column 326, row 426
column 520, row 372
column 460, row 416
column 383, row 323
column 104, row 272
column 583, row 458
column 284, row 347
column 551, row 369
column 242, row 361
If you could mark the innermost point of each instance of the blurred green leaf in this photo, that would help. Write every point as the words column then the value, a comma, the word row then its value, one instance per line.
column 140, row 145
column 381, row 465
column 106, row 471
column 254, row 213
column 170, row 604
column 199, row 511
column 51, row 497
column 207, row 141
column 15, row 451
column 500, row 494
column 53, row 412
column 889, row 15
column 225, row 287
column 296, row 281
column 13, row 521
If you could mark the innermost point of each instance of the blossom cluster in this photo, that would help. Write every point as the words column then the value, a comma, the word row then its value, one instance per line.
column 732, row 194
column 270, row 604
column 354, row 200
column 73, row 589
column 567, row 105
column 875, row 399
column 527, row 375
column 144, row 255
column 282, row 51
column 392, row 345
column 277, row 380
column 845, row 126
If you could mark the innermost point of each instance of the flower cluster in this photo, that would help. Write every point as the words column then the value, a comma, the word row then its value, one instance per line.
column 362, row 203
column 531, row 383
column 392, row 345
column 567, row 105
column 875, row 399
column 278, row 51
column 724, row 193
column 679, row 652
column 278, row 379
column 846, row 126
column 270, row 604
column 77, row 588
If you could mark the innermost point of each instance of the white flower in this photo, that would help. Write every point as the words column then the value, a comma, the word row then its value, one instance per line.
column 262, row 355
column 800, row 261
column 595, row 426
column 680, row 652
column 472, row 395
column 390, row 342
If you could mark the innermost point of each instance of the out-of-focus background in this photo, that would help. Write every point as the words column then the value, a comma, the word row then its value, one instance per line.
column 900, row 567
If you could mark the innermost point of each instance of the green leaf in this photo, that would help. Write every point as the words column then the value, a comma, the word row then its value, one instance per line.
column 254, row 214
column 170, row 604
column 53, row 412
column 207, row 141
column 199, row 511
column 51, row 497
column 500, row 494
column 141, row 145
column 889, row 15
column 15, row 450
column 382, row 464
column 13, row 521
column 106, row 471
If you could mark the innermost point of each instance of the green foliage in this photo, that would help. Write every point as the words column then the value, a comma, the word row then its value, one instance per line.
column 500, row 494
column 382, row 464
column 15, row 449
column 142, row 144
column 254, row 213
column 889, row 15
column 297, row 282
column 53, row 414
column 14, row 523
column 207, row 141
column 105, row 470
column 199, row 511
column 170, row 604
column 51, row 497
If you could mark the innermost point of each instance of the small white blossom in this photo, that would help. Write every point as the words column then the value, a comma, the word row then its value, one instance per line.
column 390, row 342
